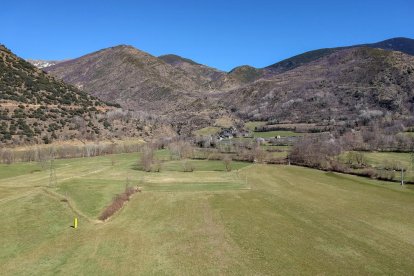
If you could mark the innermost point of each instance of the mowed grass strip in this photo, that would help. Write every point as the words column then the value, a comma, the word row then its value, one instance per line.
column 202, row 165
column 197, row 186
column 12, row 170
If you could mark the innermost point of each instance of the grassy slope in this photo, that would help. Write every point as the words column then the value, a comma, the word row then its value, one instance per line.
column 252, row 124
column 292, row 221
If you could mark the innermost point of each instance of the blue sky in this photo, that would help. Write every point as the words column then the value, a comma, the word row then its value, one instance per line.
column 222, row 34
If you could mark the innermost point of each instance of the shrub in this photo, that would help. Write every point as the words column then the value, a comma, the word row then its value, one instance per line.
column 386, row 175
column 371, row 173
column 180, row 150
column 187, row 166
column 117, row 203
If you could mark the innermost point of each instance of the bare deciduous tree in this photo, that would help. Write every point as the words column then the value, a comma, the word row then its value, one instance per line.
column 113, row 160
column 147, row 158
column 227, row 160
column 7, row 156
column 180, row 149
column 259, row 154
column 315, row 151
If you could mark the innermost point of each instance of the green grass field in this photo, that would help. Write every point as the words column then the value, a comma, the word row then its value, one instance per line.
column 271, row 134
column 384, row 159
column 268, row 134
column 254, row 220
column 378, row 158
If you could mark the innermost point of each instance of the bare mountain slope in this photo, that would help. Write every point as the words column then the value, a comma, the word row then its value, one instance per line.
column 345, row 85
column 130, row 77
column 214, row 80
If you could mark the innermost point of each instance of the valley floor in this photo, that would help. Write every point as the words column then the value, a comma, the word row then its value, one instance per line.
column 256, row 219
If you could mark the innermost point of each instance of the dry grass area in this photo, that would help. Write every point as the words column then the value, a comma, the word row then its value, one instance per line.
column 224, row 121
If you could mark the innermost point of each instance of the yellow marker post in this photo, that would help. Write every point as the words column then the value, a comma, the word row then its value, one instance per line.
column 75, row 223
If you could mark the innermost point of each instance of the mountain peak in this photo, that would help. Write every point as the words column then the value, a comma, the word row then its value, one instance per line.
column 176, row 59
column 122, row 46
column 144, row 80
column 245, row 73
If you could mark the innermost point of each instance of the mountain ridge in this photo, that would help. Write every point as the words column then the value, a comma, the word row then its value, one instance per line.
column 401, row 44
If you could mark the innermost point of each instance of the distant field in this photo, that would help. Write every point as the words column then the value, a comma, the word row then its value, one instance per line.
column 410, row 134
column 269, row 134
column 255, row 220
column 282, row 133
column 278, row 154
column 378, row 158
column 299, row 126
column 251, row 125
column 381, row 159
column 207, row 131
column 281, row 148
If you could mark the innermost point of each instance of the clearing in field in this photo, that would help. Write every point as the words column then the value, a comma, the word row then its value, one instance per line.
column 256, row 219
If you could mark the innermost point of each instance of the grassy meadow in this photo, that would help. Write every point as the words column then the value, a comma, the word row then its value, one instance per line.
column 255, row 220
column 271, row 134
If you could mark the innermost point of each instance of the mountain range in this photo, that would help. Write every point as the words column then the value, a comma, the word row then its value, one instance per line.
column 344, row 85
column 331, row 83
